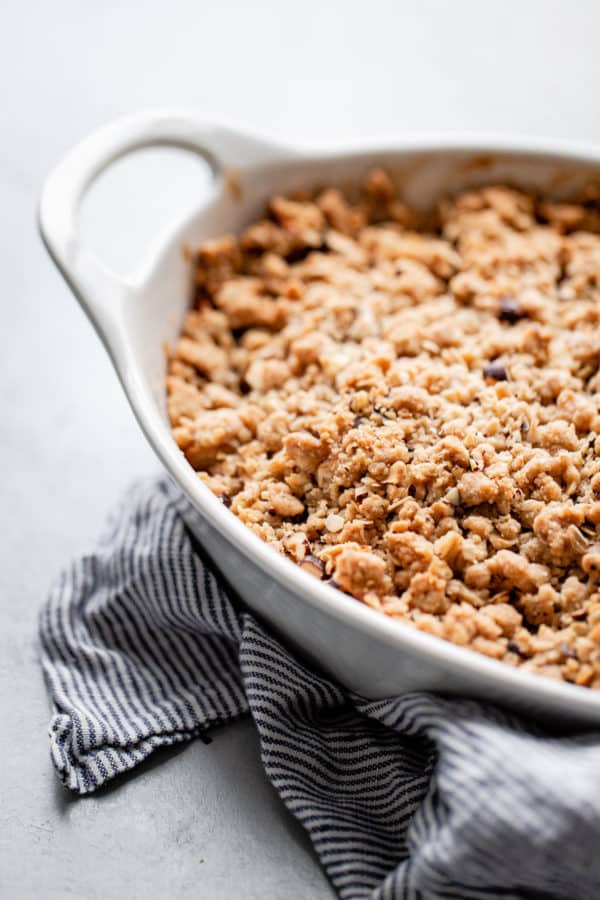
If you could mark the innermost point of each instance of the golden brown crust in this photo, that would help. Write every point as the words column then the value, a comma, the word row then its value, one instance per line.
column 413, row 415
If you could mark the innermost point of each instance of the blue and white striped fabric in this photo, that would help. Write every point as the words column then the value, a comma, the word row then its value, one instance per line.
column 412, row 797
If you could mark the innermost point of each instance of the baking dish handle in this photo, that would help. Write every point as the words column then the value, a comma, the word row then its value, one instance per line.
column 101, row 292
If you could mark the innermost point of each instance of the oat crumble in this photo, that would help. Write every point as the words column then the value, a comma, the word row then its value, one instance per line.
column 408, row 408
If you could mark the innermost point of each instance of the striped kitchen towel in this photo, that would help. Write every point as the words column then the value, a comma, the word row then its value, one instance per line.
column 412, row 797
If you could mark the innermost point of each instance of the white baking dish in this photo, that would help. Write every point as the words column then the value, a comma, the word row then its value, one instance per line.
column 366, row 651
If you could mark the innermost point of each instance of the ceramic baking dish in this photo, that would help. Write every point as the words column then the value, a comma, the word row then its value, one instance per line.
column 366, row 651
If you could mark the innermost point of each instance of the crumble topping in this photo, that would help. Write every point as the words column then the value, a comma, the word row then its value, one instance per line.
column 407, row 407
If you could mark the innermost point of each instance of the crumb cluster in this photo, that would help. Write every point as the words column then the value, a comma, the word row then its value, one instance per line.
column 408, row 407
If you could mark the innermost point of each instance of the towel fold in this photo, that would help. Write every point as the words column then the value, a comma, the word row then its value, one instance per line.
column 410, row 797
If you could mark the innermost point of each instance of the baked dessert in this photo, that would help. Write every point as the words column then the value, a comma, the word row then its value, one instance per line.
column 407, row 407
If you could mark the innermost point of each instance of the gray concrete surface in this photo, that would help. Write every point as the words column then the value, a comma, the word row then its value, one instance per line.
column 201, row 821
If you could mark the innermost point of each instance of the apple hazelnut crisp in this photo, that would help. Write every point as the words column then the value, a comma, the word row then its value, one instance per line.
column 408, row 408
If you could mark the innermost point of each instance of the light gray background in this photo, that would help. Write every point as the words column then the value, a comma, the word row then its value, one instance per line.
column 202, row 821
